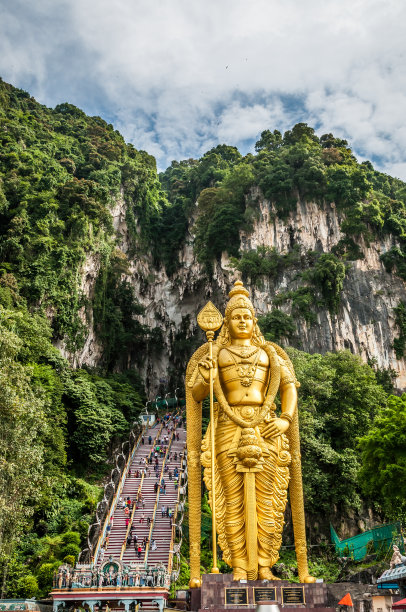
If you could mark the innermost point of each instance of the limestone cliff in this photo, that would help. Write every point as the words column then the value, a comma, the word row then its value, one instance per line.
column 364, row 323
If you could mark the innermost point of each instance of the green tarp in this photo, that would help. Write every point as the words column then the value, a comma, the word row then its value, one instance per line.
column 382, row 538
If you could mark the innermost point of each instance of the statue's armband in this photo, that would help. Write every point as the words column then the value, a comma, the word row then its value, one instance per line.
column 287, row 377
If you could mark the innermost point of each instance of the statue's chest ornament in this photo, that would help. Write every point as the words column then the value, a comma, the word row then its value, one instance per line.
column 245, row 367
column 250, row 420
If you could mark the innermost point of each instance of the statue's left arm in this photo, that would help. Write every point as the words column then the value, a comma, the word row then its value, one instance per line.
column 288, row 395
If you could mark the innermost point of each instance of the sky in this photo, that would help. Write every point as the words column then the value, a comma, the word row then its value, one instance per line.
column 177, row 77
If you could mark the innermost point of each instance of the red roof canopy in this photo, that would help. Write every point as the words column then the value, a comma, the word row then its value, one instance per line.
column 399, row 604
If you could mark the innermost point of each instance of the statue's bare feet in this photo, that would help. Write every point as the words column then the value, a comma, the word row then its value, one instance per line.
column 308, row 579
column 239, row 574
column 265, row 573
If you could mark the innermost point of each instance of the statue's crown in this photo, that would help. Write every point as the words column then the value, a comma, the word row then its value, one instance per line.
column 239, row 298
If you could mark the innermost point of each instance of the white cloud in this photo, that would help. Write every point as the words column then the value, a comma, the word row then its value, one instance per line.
column 398, row 170
column 237, row 122
column 178, row 76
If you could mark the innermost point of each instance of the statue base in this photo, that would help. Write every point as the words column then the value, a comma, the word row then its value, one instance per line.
column 221, row 593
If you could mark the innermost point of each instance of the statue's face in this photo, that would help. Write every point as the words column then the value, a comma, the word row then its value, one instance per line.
column 241, row 324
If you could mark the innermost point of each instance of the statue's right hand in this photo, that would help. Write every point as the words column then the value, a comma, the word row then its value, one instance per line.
column 204, row 369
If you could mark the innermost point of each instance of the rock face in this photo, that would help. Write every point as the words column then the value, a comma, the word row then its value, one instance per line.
column 364, row 323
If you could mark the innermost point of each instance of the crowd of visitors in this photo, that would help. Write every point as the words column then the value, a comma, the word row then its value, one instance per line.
column 153, row 465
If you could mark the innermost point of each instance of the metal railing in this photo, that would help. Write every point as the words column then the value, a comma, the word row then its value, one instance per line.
column 175, row 515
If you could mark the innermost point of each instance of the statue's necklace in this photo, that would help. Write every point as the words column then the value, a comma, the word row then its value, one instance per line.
column 245, row 352
column 245, row 368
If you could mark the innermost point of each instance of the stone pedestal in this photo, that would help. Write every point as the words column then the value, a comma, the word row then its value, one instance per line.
column 219, row 592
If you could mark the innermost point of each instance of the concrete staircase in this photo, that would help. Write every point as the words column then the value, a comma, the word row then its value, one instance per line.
column 159, row 528
column 162, row 528
column 130, row 488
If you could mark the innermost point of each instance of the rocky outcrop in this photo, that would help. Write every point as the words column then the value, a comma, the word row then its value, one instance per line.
column 364, row 323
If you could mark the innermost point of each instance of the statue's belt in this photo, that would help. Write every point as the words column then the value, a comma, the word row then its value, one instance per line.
column 245, row 415
column 247, row 448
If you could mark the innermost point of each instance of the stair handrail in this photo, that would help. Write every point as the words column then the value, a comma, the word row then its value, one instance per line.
column 116, row 495
column 151, row 529
column 124, row 545
column 171, row 551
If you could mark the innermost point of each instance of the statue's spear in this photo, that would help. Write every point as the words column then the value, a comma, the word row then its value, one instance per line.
column 210, row 320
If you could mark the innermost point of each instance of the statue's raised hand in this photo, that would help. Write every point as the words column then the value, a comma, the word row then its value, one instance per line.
column 204, row 369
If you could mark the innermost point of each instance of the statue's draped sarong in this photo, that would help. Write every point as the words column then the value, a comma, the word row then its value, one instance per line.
column 269, row 491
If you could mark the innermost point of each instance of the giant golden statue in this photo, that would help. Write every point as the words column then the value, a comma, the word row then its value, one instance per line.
column 256, row 453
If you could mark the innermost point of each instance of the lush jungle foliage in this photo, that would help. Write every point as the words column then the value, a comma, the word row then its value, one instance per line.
column 339, row 398
column 296, row 166
column 57, row 429
column 383, row 454
column 61, row 172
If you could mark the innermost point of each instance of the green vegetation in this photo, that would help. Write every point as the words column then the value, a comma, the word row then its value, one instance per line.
column 395, row 259
column 226, row 176
column 295, row 166
column 277, row 325
column 115, row 308
column 338, row 400
column 326, row 272
column 61, row 173
column 322, row 564
column 385, row 377
column 57, row 426
column 266, row 261
column 221, row 215
column 302, row 301
column 329, row 274
column 399, row 343
column 383, row 452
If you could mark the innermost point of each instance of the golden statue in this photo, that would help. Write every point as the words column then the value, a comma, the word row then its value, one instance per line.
column 256, row 453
